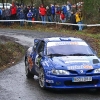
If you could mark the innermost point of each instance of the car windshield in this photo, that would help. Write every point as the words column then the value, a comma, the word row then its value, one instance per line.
column 69, row 48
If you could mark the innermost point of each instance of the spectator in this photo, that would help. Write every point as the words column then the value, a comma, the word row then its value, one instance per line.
column 64, row 9
column 7, row 16
column 0, row 13
column 52, row 7
column 73, row 20
column 26, row 10
column 37, row 14
column 48, row 14
column 57, row 13
column 81, row 17
column 42, row 12
column 21, row 16
column 29, row 16
column 69, row 8
column 13, row 12
column 34, row 11
column 62, row 17
column 3, row 16
column 78, row 20
column 18, row 9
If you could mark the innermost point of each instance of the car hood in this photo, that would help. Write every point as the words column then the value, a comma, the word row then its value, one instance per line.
column 76, row 62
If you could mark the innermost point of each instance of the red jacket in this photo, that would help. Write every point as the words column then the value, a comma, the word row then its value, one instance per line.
column 62, row 16
column 42, row 11
column 13, row 10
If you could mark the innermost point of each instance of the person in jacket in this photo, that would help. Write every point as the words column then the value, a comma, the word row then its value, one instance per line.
column 42, row 12
column 0, row 14
column 73, row 20
column 78, row 20
column 18, row 10
column 62, row 17
column 29, row 17
column 64, row 9
column 3, row 16
column 81, row 17
column 7, row 16
column 26, row 10
column 13, row 12
column 69, row 8
column 34, row 11
column 52, row 7
column 48, row 14
column 57, row 13
column 21, row 17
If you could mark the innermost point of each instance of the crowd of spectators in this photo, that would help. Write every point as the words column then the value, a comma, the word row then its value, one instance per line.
column 51, row 13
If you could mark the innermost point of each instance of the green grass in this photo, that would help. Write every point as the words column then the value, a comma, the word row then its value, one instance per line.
column 10, row 53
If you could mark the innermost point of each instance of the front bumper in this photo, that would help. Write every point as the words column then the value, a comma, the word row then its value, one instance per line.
column 66, row 82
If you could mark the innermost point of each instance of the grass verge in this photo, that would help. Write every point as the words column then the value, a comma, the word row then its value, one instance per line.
column 10, row 53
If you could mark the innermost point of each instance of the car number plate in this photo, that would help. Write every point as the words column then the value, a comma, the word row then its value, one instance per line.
column 81, row 79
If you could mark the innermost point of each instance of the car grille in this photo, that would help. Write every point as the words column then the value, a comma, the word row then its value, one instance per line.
column 70, row 83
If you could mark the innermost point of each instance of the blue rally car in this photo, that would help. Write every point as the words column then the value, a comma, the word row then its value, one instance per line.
column 63, row 63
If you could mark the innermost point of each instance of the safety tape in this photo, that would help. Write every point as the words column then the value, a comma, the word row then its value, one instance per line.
column 72, row 24
column 46, row 22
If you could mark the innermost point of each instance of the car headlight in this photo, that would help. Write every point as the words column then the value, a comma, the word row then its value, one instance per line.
column 97, row 70
column 60, row 72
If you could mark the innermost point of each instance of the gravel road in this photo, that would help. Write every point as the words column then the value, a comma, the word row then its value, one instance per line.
column 15, row 86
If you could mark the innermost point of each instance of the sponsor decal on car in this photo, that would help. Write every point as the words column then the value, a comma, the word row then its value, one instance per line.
column 76, row 61
column 30, row 62
column 49, row 81
column 75, row 67
column 65, row 43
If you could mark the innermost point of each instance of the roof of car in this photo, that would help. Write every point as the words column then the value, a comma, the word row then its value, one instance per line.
column 58, row 39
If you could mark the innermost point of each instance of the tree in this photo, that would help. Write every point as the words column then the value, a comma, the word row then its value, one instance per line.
column 3, row 3
column 42, row 1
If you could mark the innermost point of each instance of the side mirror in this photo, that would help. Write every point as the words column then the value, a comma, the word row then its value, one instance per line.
column 36, row 41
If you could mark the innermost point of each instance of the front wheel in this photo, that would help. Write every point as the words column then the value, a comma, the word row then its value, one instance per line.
column 28, row 73
column 41, row 78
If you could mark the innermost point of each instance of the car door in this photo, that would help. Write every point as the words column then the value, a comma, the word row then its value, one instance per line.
column 40, row 49
column 33, row 55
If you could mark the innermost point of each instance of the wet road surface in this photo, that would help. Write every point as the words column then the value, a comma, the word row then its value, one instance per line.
column 15, row 86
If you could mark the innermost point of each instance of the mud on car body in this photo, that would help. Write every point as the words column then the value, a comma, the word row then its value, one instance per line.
column 63, row 63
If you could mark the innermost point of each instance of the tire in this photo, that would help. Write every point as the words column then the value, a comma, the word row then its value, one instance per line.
column 41, row 78
column 27, row 71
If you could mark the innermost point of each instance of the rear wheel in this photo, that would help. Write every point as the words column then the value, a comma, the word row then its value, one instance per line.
column 28, row 73
column 41, row 78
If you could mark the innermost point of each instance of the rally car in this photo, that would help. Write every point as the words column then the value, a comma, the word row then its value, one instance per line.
column 63, row 63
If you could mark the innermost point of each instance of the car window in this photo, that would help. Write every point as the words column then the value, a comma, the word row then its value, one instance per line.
column 41, row 47
column 67, row 48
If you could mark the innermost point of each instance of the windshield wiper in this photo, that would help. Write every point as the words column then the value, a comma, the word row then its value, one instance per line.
column 56, row 54
column 80, row 54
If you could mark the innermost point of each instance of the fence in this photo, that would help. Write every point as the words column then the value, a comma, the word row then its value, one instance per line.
column 46, row 22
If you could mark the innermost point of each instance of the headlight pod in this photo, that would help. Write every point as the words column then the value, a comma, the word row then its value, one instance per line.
column 97, row 70
column 60, row 72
